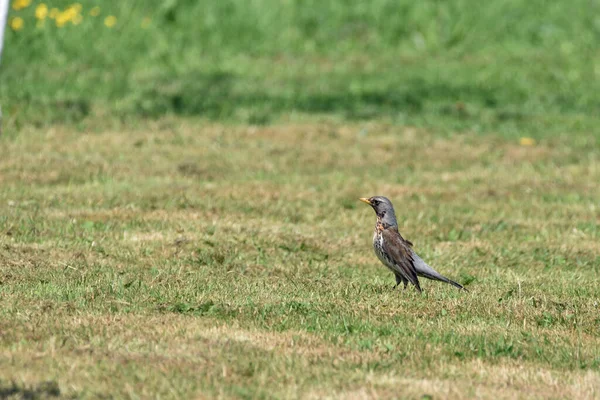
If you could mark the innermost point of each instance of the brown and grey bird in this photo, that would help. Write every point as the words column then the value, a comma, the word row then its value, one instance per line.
column 397, row 253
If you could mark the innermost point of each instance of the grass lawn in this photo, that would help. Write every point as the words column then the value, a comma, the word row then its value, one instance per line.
column 179, row 213
column 185, row 258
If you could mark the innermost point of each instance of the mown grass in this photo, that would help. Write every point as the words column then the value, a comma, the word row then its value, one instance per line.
column 179, row 213
column 181, row 258
column 513, row 67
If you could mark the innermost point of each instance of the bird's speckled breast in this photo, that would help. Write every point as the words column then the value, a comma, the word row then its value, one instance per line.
column 378, row 245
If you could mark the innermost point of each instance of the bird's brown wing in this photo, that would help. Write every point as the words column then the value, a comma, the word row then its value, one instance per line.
column 408, row 242
column 399, row 251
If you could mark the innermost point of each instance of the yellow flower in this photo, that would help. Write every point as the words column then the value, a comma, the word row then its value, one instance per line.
column 41, row 11
column 16, row 23
column 110, row 21
column 62, row 18
column 20, row 4
column 146, row 22
column 527, row 141
column 70, row 13
column 54, row 13
column 94, row 12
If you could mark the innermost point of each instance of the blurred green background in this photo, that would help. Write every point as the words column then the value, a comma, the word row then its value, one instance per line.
column 512, row 67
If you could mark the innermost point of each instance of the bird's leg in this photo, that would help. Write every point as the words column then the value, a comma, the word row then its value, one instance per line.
column 399, row 280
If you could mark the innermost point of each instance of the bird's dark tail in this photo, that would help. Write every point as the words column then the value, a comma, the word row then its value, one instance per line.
column 424, row 270
column 442, row 278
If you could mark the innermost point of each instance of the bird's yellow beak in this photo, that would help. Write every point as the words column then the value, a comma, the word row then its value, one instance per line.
column 364, row 199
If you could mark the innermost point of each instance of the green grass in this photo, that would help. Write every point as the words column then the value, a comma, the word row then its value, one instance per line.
column 515, row 68
column 179, row 213
column 180, row 258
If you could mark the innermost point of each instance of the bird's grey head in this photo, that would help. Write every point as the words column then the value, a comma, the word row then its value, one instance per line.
column 384, row 209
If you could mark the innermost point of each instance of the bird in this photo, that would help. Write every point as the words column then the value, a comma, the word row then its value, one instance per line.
column 397, row 253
